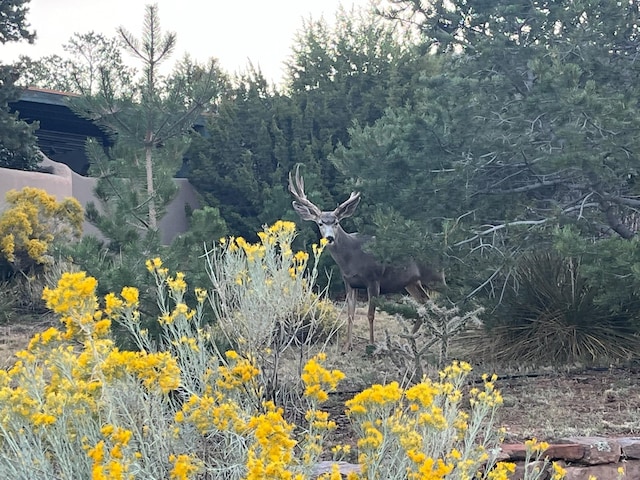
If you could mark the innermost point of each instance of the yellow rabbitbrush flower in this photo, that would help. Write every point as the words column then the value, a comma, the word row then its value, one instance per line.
column 559, row 473
column 153, row 264
column 130, row 296
column 155, row 370
column 212, row 413
column 237, row 373
column 176, row 284
column 31, row 222
column 377, row 396
column 502, row 471
column 112, row 456
column 184, row 466
column 75, row 301
column 318, row 380
column 271, row 453
column 423, row 432
column 74, row 294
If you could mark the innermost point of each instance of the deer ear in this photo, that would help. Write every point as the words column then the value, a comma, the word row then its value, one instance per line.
column 303, row 212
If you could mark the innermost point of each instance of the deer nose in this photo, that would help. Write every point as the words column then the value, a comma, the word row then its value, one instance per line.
column 330, row 238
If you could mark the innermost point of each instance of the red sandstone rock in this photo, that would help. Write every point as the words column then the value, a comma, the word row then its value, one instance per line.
column 605, row 472
column 597, row 450
column 514, row 451
column 630, row 447
column 564, row 451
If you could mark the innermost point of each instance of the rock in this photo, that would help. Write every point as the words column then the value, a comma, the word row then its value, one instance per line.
column 604, row 472
column 630, row 447
column 564, row 451
column 326, row 466
column 597, row 450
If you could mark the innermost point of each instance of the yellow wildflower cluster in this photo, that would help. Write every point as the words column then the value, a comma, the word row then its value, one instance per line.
column 318, row 380
column 503, row 471
column 217, row 409
column 184, row 467
column 63, row 382
column 237, row 373
column 72, row 390
column 277, row 239
column 157, row 371
column 112, row 457
column 489, row 396
column 212, row 412
column 271, row 455
column 33, row 220
column 75, row 301
column 535, row 455
column 155, row 266
column 377, row 397
column 426, row 422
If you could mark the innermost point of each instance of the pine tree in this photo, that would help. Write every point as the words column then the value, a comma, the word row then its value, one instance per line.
column 149, row 124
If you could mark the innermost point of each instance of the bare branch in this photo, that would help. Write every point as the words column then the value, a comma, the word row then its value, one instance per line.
column 495, row 228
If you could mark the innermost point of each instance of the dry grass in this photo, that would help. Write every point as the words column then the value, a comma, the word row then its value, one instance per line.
column 545, row 404
column 16, row 335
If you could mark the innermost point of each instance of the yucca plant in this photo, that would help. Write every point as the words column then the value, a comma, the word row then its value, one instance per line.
column 550, row 316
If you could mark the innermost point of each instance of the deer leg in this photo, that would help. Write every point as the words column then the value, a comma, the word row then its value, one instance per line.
column 373, row 291
column 351, row 312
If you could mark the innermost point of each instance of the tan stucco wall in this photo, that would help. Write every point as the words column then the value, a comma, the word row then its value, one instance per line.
column 64, row 182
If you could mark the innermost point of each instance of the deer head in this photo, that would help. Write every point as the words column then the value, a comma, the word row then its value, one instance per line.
column 328, row 222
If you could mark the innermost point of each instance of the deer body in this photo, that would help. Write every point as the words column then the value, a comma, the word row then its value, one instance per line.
column 360, row 269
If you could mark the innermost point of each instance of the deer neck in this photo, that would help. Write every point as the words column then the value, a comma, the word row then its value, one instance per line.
column 344, row 246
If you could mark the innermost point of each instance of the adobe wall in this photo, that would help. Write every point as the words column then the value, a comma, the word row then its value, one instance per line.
column 64, row 182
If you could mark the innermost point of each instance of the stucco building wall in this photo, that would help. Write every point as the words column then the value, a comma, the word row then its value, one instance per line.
column 64, row 182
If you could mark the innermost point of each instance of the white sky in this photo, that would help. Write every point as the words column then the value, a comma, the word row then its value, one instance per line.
column 233, row 31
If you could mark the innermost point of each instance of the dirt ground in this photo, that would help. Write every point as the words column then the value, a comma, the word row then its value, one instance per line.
column 546, row 404
column 16, row 336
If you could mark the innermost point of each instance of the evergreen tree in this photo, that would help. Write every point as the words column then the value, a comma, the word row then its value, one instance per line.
column 336, row 76
column 149, row 125
column 523, row 121
column 17, row 140
column 240, row 164
column 13, row 21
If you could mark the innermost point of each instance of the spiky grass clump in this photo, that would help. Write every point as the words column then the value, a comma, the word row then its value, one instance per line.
column 550, row 316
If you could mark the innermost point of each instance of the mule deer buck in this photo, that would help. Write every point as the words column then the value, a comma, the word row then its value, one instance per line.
column 360, row 269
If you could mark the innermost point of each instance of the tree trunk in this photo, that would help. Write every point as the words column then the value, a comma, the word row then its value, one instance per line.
column 153, row 220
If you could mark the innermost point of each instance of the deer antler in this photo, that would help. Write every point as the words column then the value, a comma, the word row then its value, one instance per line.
column 346, row 208
column 297, row 190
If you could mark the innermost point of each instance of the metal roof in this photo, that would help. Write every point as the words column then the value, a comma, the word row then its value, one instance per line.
column 62, row 134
